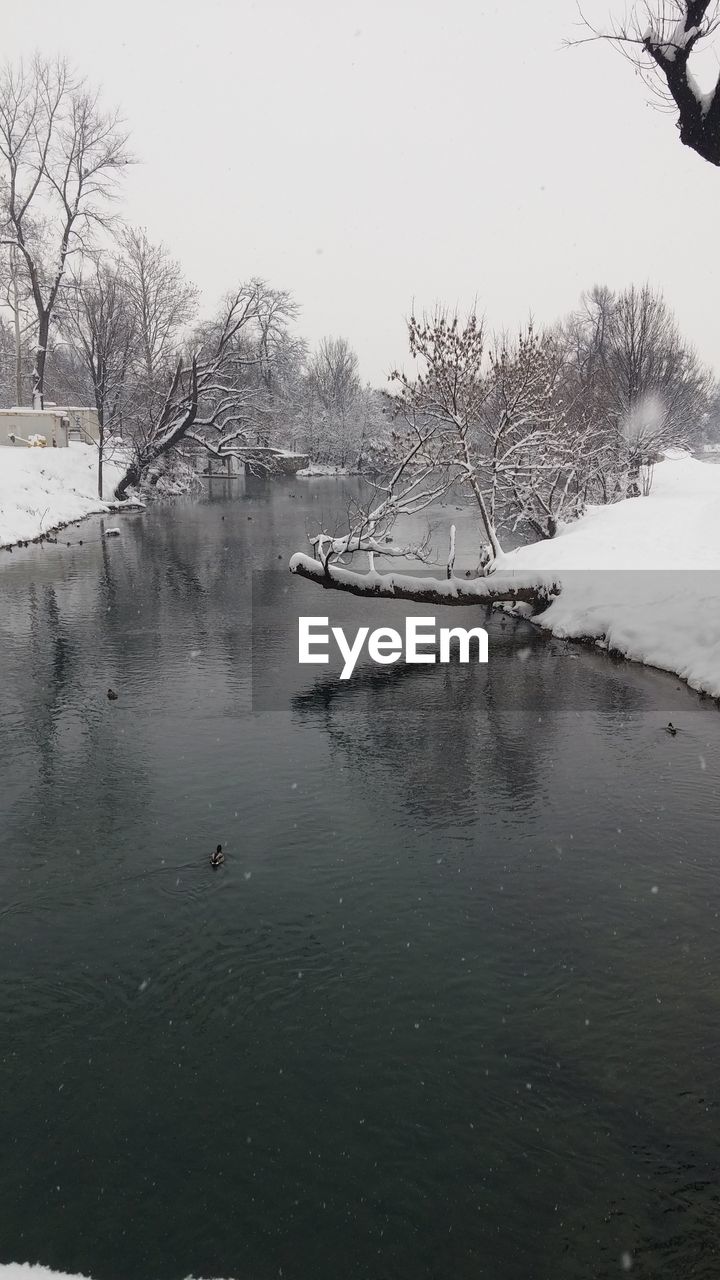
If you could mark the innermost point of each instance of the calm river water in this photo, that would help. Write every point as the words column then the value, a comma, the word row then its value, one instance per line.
column 451, row 1009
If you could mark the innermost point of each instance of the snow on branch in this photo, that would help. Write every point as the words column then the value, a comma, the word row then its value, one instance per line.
column 514, row 588
column 660, row 38
column 210, row 401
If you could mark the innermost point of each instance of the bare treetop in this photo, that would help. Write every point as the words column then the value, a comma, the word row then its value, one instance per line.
column 163, row 300
column 60, row 158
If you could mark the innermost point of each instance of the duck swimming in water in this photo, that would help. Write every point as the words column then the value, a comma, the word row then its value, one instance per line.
column 218, row 857
column 112, row 695
column 670, row 728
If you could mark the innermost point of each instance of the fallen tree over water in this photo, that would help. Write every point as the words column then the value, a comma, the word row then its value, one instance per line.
column 511, row 587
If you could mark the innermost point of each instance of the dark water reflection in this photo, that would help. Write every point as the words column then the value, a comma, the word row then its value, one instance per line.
column 452, row 1006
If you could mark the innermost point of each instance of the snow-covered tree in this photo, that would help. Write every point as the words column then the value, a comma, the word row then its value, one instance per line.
column 216, row 396
column 531, row 429
column 446, row 401
column 510, row 436
column 334, row 375
column 492, row 424
column 99, row 322
column 541, row 444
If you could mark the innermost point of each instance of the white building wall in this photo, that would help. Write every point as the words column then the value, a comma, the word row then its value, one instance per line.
column 18, row 426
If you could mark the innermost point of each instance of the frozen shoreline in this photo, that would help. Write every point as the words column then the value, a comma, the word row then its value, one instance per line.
column 43, row 490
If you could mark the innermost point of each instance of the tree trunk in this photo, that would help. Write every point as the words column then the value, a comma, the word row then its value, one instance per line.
column 38, row 377
column 16, row 321
column 131, row 477
column 101, row 446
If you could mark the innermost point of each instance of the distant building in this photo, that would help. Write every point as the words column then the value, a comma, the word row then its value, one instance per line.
column 57, row 424
column 28, row 427
column 83, row 422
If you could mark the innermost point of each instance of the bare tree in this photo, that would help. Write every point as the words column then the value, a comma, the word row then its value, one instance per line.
column 99, row 322
column 631, row 372
column 272, row 355
column 61, row 157
column 277, row 374
column 7, row 363
column 334, row 374
column 334, row 383
column 660, row 38
column 660, row 384
column 163, row 300
column 17, row 297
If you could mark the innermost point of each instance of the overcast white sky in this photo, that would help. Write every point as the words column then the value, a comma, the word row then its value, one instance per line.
column 364, row 154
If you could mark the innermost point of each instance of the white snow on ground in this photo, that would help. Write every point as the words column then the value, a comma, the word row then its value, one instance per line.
column 669, row 620
column 29, row 1271
column 33, row 1271
column 41, row 489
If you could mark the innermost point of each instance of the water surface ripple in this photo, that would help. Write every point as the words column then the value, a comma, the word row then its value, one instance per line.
column 450, row 1009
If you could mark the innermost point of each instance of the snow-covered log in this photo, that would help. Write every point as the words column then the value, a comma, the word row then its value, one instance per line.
column 508, row 588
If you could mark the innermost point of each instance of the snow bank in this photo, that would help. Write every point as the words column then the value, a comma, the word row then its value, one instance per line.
column 30, row 1271
column 41, row 489
column 33, row 1271
column 325, row 469
column 640, row 577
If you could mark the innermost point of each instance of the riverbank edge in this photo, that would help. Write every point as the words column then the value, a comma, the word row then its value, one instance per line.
column 106, row 509
column 640, row 578
column 617, row 655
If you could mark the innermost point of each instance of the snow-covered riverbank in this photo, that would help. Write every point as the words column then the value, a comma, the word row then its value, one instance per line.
column 315, row 470
column 641, row 577
column 33, row 1271
column 44, row 489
